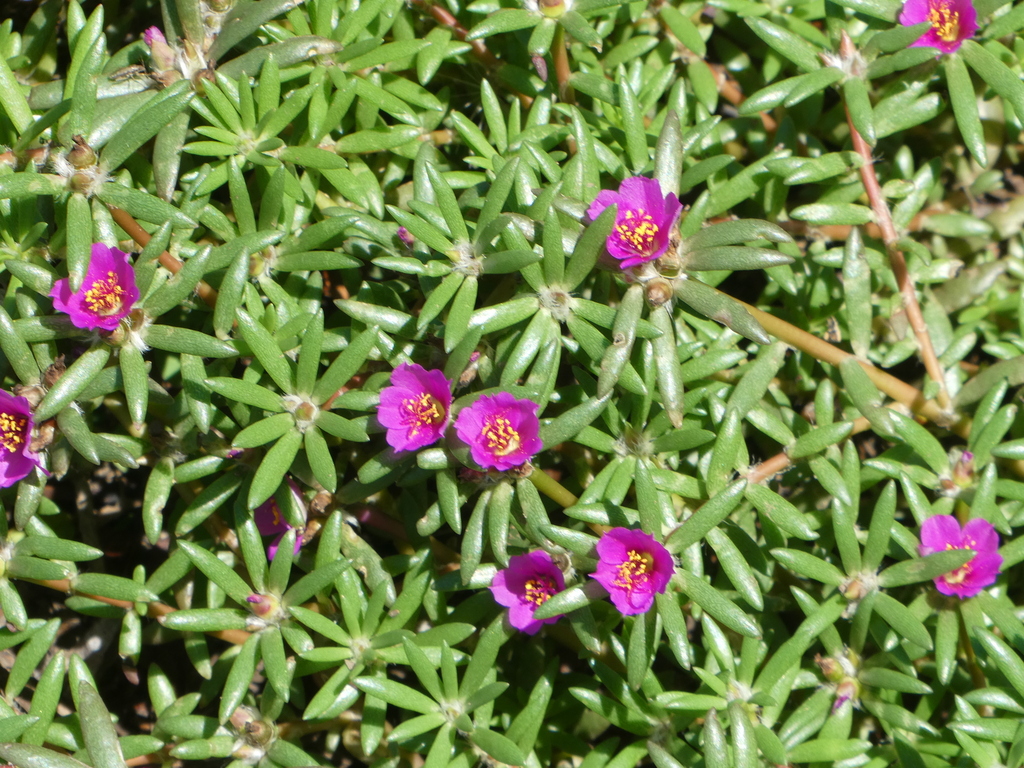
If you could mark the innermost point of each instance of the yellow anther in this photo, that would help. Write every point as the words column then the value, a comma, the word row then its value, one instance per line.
column 635, row 571
column 638, row 230
column 961, row 573
column 501, row 438
column 105, row 297
column 422, row 411
column 540, row 590
column 945, row 21
column 12, row 431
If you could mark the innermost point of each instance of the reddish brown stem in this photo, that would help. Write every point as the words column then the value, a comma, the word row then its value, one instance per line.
column 479, row 47
column 780, row 462
column 443, row 16
column 883, row 218
column 154, row 610
column 730, row 90
column 560, row 58
column 125, row 221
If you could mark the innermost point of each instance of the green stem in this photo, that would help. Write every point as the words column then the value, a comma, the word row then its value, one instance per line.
column 895, row 388
column 977, row 676
column 551, row 488
column 560, row 58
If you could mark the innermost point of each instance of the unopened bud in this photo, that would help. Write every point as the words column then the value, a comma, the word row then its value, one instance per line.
column 81, row 155
column 160, row 52
column 81, row 183
column 553, row 9
column 659, row 291
column 848, row 690
column 263, row 605
column 831, row 669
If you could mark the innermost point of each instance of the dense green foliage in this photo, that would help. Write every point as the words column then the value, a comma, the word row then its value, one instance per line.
column 787, row 450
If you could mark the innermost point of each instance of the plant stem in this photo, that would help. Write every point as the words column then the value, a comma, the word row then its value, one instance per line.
column 125, row 221
column 781, row 461
column 895, row 388
column 479, row 47
column 154, row 610
column 977, row 676
column 560, row 58
column 551, row 488
column 883, row 218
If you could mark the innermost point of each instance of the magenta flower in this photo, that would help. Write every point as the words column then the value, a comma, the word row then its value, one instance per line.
column 269, row 520
column 529, row 581
column 152, row 35
column 643, row 221
column 160, row 51
column 415, row 408
column 17, row 459
column 107, row 292
column 501, row 431
column 405, row 237
column 943, row 532
column 632, row 566
column 952, row 22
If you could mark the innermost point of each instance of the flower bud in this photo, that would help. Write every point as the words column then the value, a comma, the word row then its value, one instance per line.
column 263, row 605
column 553, row 9
column 659, row 291
column 81, row 183
column 81, row 155
column 160, row 52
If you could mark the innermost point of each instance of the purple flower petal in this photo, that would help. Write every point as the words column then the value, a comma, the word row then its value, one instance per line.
column 952, row 22
column 106, row 295
column 153, row 34
column 269, row 520
column 942, row 532
column 633, row 566
column 529, row 581
column 415, row 408
column 501, row 431
column 937, row 533
column 643, row 221
column 17, row 460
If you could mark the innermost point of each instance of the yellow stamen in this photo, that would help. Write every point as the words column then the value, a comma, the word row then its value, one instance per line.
column 105, row 297
column 12, row 431
column 961, row 573
column 540, row 590
column 636, row 571
column 638, row 230
column 501, row 438
column 945, row 21
column 422, row 411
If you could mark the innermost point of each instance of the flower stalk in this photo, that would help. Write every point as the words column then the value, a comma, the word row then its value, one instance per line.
column 553, row 489
column 883, row 217
column 560, row 58
column 125, row 221
column 895, row 388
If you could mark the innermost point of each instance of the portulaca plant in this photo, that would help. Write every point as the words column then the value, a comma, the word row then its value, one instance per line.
column 577, row 384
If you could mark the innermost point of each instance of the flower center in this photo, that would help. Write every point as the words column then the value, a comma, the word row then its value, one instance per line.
column 276, row 512
column 945, row 22
column 12, row 431
column 960, row 574
column 501, row 438
column 540, row 590
column 105, row 297
column 637, row 230
column 635, row 571
column 422, row 411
